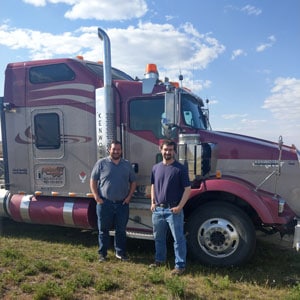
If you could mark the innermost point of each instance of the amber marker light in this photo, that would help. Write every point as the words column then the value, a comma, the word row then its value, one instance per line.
column 54, row 193
column 38, row 193
column 72, row 194
column 151, row 68
column 218, row 174
column 175, row 84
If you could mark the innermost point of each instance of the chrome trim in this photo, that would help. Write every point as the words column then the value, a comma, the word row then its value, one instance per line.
column 281, row 204
column 298, row 155
column 296, row 242
column 24, row 208
column 3, row 201
column 108, row 121
column 68, row 213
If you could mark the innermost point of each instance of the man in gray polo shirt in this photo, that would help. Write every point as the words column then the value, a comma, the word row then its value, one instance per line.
column 113, row 183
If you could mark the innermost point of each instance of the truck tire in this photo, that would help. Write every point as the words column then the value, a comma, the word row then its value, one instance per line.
column 220, row 234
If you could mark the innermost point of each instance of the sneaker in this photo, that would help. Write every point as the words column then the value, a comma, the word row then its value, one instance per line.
column 102, row 258
column 156, row 264
column 122, row 257
column 177, row 271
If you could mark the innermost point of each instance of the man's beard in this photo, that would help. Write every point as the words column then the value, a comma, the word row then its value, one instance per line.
column 168, row 157
column 116, row 156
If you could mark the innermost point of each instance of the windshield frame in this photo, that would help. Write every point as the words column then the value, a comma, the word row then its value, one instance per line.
column 191, row 113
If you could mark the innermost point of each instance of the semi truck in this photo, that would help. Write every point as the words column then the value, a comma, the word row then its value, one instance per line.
column 58, row 117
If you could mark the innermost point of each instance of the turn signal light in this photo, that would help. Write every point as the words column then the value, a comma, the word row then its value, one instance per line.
column 218, row 174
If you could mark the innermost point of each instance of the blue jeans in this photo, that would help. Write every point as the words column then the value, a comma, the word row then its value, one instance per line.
column 112, row 216
column 162, row 219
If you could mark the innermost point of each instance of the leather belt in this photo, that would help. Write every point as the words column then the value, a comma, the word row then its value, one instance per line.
column 165, row 205
column 113, row 201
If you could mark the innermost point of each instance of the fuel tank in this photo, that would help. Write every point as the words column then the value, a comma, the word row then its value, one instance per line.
column 60, row 211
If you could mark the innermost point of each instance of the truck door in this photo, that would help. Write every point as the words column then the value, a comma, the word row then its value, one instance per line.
column 143, row 135
column 48, row 149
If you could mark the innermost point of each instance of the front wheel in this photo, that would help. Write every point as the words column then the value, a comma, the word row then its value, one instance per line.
column 220, row 234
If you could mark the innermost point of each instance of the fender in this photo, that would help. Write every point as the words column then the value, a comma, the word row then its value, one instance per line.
column 265, row 204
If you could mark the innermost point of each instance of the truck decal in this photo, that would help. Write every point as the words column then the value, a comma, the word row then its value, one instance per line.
column 66, row 138
column 267, row 163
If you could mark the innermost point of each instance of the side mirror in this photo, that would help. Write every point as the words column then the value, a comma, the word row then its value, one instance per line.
column 170, row 109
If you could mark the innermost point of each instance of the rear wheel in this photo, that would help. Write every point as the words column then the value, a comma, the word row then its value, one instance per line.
column 220, row 234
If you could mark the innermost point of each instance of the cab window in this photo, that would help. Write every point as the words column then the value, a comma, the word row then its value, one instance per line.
column 47, row 131
column 146, row 114
column 51, row 73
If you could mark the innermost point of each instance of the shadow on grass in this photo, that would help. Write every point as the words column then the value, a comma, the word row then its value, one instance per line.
column 10, row 228
column 271, row 265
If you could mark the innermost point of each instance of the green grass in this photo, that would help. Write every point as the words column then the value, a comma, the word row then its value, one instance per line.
column 48, row 262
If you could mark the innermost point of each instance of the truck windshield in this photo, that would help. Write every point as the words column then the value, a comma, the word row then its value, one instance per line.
column 191, row 112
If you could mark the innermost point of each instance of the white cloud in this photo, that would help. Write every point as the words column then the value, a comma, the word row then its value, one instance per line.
column 36, row 2
column 262, row 47
column 237, row 52
column 248, row 9
column 99, row 10
column 253, row 122
column 107, row 10
column 169, row 18
column 233, row 116
column 251, row 10
column 44, row 2
column 284, row 103
column 46, row 45
column 172, row 49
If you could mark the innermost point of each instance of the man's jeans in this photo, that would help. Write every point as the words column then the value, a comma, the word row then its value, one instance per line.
column 112, row 215
column 162, row 218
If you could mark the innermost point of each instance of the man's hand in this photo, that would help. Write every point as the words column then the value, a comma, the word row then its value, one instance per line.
column 99, row 200
column 152, row 207
column 176, row 209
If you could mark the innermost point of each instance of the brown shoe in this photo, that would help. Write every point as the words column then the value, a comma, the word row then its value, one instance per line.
column 177, row 271
column 156, row 264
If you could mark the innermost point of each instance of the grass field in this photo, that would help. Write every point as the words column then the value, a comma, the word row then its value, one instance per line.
column 48, row 262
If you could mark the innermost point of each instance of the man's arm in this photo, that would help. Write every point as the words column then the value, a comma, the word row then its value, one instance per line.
column 94, row 189
column 184, row 199
column 130, row 193
column 152, row 198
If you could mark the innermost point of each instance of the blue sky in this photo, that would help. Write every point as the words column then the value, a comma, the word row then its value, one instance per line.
column 241, row 55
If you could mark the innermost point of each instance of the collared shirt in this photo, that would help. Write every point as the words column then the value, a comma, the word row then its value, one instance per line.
column 113, row 178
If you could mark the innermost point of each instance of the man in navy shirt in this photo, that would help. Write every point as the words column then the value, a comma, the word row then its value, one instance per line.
column 170, row 190
column 113, row 183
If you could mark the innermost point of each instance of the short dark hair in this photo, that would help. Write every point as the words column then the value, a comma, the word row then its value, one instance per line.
column 115, row 142
column 168, row 143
